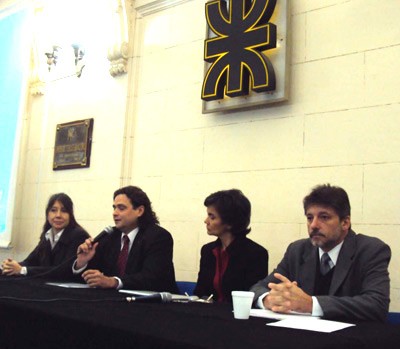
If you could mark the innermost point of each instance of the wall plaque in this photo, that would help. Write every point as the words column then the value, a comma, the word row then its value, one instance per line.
column 73, row 144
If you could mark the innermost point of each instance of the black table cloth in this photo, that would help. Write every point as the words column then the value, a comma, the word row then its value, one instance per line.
column 36, row 315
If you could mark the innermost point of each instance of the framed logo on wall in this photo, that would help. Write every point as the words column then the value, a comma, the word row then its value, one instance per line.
column 245, row 54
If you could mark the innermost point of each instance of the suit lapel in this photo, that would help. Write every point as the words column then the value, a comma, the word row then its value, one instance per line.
column 344, row 262
column 56, row 249
column 112, row 248
column 47, row 257
column 134, row 252
column 307, row 269
column 57, row 252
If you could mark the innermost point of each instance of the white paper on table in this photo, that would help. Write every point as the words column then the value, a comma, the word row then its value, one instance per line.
column 138, row 292
column 269, row 314
column 310, row 324
column 68, row 284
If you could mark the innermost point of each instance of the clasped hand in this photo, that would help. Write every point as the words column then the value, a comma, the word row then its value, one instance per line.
column 286, row 296
column 11, row 267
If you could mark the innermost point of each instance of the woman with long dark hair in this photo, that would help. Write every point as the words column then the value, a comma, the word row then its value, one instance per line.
column 59, row 241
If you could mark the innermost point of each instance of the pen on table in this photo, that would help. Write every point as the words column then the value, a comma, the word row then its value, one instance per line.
column 209, row 298
column 186, row 294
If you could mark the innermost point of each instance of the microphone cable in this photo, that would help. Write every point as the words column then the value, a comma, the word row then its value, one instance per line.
column 49, row 300
column 66, row 299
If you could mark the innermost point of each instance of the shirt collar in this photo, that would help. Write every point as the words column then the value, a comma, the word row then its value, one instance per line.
column 53, row 239
column 333, row 253
column 131, row 235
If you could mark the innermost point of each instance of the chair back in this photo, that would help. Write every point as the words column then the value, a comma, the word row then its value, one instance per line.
column 186, row 287
column 393, row 318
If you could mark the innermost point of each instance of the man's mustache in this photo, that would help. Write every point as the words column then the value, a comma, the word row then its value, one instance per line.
column 316, row 233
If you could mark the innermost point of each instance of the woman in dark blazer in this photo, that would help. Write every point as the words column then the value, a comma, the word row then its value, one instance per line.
column 59, row 241
column 232, row 262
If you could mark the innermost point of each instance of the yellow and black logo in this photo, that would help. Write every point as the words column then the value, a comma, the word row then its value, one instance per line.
column 241, row 32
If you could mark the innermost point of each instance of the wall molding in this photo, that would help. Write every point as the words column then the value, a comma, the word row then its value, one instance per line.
column 118, row 57
column 147, row 7
column 118, row 53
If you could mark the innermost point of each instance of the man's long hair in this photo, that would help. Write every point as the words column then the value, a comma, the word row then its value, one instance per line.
column 138, row 198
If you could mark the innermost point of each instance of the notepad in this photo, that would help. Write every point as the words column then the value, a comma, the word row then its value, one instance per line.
column 311, row 324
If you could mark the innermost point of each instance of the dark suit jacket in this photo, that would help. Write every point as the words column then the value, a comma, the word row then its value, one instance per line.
column 360, row 284
column 149, row 266
column 42, row 259
column 248, row 262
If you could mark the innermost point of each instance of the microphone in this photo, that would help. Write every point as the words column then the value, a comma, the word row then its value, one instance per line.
column 106, row 231
column 162, row 297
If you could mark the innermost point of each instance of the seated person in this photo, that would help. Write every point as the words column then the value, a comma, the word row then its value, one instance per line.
column 136, row 255
column 61, row 236
column 335, row 273
column 232, row 262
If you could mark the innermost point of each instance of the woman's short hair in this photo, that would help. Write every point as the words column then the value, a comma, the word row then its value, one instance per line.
column 234, row 209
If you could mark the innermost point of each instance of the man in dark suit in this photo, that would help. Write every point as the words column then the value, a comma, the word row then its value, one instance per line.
column 335, row 273
column 136, row 255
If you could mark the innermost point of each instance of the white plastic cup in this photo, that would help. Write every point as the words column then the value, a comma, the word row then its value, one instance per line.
column 242, row 301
